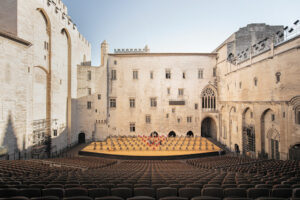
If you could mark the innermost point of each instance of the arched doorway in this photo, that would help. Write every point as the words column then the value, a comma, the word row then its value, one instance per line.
column 190, row 134
column 172, row 134
column 294, row 152
column 248, row 134
column 81, row 138
column 208, row 128
column 273, row 140
column 237, row 148
column 154, row 134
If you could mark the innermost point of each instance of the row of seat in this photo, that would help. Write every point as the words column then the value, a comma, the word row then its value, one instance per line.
column 125, row 193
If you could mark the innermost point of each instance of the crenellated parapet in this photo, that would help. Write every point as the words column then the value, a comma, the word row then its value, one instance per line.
column 133, row 51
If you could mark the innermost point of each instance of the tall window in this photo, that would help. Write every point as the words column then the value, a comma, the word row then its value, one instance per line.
column 115, row 62
column 214, row 72
column 278, row 74
column 89, row 75
column 255, row 81
column 89, row 105
column 297, row 115
column 148, row 119
column 113, row 74
column 89, row 91
column 169, row 91
column 132, row 127
column 151, row 75
column 168, row 74
column 113, row 102
column 135, row 74
column 99, row 96
column 196, row 106
column 153, row 102
column 180, row 91
column 208, row 99
column 189, row 119
column 132, row 103
column 183, row 75
column 200, row 73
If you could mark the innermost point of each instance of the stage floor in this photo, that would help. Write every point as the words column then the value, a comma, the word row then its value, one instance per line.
column 89, row 150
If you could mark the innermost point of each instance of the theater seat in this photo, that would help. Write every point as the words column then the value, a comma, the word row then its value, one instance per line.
column 57, row 192
column 75, row 192
column 30, row 192
column 212, row 192
column 98, row 192
column 235, row 192
column 144, row 191
column 8, row 192
column 173, row 198
column 205, row 198
column 189, row 192
column 109, row 198
column 122, row 192
column 257, row 192
column 141, row 198
column 282, row 192
column 165, row 192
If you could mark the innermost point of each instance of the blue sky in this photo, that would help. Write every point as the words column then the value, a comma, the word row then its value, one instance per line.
column 172, row 25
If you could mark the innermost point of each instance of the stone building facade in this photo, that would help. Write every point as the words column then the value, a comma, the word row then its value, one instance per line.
column 40, row 50
column 245, row 94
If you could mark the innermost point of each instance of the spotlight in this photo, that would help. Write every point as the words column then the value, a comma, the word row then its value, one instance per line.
column 285, row 28
column 291, row 30
column 296, row 22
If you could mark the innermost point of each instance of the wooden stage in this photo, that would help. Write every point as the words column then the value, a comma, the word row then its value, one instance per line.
column 148, row 154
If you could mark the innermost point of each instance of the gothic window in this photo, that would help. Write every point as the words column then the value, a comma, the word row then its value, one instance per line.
column 189, row 119
column 180, row 91
column 89, row 105
column 208, row 99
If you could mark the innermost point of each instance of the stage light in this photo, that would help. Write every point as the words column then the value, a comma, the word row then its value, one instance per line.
column 291, row 30
column 296, row 22
column 285, row 28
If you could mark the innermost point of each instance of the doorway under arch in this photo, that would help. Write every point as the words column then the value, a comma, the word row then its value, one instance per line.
column 208, row 128
column 172, row 134
column 190, row 134
column 294, row 152
column 81, row 138
column 154, row 134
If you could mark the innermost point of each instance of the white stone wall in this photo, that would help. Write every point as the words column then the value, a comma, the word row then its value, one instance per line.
column 32, row 26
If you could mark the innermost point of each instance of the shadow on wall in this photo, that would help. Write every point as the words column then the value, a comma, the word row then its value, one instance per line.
column 10, row 141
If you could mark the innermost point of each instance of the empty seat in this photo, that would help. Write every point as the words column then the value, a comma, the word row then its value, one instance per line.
column 8, row 192
column 40, row 186
column 57, row 192
column 189, row 192
column 165, row 192
column 144, row 191
column 54, row 186
column 264, row 186
column 141, row 198
column 72, row 186
column 98, row 192
column 109, row 198
column 257, row 192
column 73, row 192
column 122, row 192
column 212, row 192
column 224, row 186
column 88, row 186
column 78, row 198
column 45, row 198
column 205, row 198
column 30, row 192
column 235, row 192
column 211, row 185
column 173, row 198
column 246, row 186
column 282, row 192
column 296, row 193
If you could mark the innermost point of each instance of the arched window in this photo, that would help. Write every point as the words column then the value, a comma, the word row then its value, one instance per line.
column 208, row 99
column 297, row 115
column 255, row 81
column 278, row 74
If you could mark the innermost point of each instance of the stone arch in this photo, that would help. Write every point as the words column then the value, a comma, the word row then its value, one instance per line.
column 208, row 127
column 248, row 132
column 172, row 134
column 190, row 134
column 154, row 134
column 69, row 106
column 209, row 98
column 294, row 152
column 48, row 92
column 273, row 143
column 264, row 127
column 81, row 138
column 295, row 103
